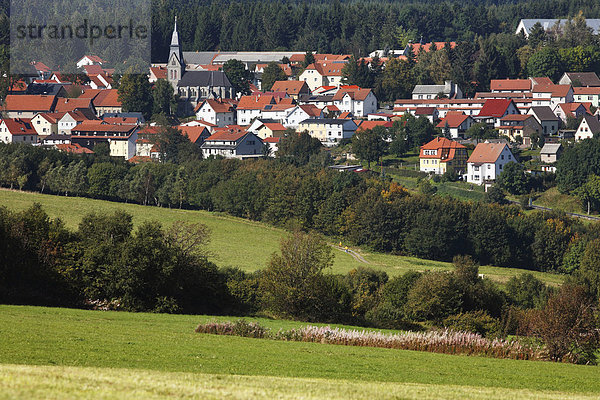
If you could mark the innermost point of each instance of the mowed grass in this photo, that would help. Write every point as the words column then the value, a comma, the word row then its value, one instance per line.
column 235, row 241
column 94, row 354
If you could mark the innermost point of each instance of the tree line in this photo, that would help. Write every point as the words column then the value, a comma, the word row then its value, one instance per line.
column 363, row 209
column 108, row 264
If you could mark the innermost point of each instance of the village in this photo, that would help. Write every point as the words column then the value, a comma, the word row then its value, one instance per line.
column 49, row 110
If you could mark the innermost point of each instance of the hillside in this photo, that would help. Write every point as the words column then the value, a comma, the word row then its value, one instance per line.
column 237, row 242
column 64, row 353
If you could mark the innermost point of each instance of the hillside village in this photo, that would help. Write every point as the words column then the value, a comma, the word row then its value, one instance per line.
column 313, row 96
column 334, row 199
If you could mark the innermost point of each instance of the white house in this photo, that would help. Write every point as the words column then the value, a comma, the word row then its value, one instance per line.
column 301, row 113
column 588, row 128
column 359, row 102
column 428, row 92
column 89, row 60
column 17, row 130
column 494, row 110
column 457, row 123
column 218, row 112
column 323, row 74
column 232, row 143
column 121, row 138
column 45, row 124
column 556, row 94
column 487, row 162
column 328, row 131
column 250, row 107
column 70, row 120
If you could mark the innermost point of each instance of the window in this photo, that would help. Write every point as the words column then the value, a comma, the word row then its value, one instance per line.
column 502, row 157
column 489, row 166
column 476, row 168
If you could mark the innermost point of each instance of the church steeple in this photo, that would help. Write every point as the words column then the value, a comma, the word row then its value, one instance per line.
column 176, row 65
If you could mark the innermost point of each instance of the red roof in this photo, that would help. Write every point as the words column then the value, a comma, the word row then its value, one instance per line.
column 19, row 126
column 271, row 139
column 29, row 102
column 311, row 110
column 544, row 80
column 193, row 133
column 40, row 66
column 425, row 110
column 101, row 126
column 454, row 119
column 290, row 87
column 218, row 106
column 587, row 90
column 364, row 125
column 495, row 108
column 417, row 47
column 354, row 93
column 510, row 84
column 106, row 98
column 555, row 90
column 64, row 105
column 159, row 72
column 446, row 149
column 121, row 120
column 486, row 153
column 93, row 69
column 228, row 134
column 255, row 102
column 73, row 148
column 275, row 126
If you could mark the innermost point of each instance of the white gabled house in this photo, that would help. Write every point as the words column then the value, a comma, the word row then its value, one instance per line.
column 301, row 113
column 218, row 112
column 17, row 130
column 487, row 162
column 359, row 102
column 588, row 128
column 232, row 143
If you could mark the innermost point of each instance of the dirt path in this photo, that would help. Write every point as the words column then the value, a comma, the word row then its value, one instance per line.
column 353, row 253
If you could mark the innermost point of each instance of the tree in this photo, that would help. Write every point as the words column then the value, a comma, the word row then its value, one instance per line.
column 589, row 193
column 135, row 94
column 309, row 58
column 526, row 291
column 293, row 284
column 480, row 131
column 238, row 75
column 297, row 148
column 588, row 274
column 396, row 80
column 164, row 101
column 513, row 179
column 272, row 74
column 495, row 195
column 537, row 35
column 545, row 62
column 369, row 144
column 567, row 326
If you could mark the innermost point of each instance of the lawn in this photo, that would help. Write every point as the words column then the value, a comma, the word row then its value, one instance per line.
column 555, row 200
column 58, row 353
column 235, row 241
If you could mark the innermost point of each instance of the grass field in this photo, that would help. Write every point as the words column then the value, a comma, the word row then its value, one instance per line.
column 62, row 353
column 235, row 242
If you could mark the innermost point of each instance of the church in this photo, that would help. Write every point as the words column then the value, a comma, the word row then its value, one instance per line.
column 190, row 82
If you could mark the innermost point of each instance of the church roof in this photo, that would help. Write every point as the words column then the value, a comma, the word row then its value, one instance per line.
column 204, row 79
column 175, row 37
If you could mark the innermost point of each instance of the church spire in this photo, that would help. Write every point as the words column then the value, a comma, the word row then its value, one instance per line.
column 175, row 37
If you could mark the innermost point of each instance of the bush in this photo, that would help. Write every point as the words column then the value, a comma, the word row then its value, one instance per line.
column 434, row 296
column 568, row 327
column 526, row 291
column 474, row 321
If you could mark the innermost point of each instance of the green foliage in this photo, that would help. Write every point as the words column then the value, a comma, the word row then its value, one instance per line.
column 496, row 195
column 473, row 321
column 163, row 98
column 589, row 193
column 135, row 94
column 369, row 144
column 513, row 179
column 576, row 164
column 272, row 74
column 297, row 148
column 293, row 284
column 545, row 62
column 526, row 291
column 238, row 75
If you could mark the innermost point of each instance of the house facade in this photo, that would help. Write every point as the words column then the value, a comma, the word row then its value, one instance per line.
column 328, row 131
column 218, row 112
column 232, row 143
column 359, row 102
column 17, row 130
column 588, row 128
column 487, row 162
column 443, row 155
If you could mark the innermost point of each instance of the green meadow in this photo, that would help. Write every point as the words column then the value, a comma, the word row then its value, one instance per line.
column 237, row 242
column 62, row 353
